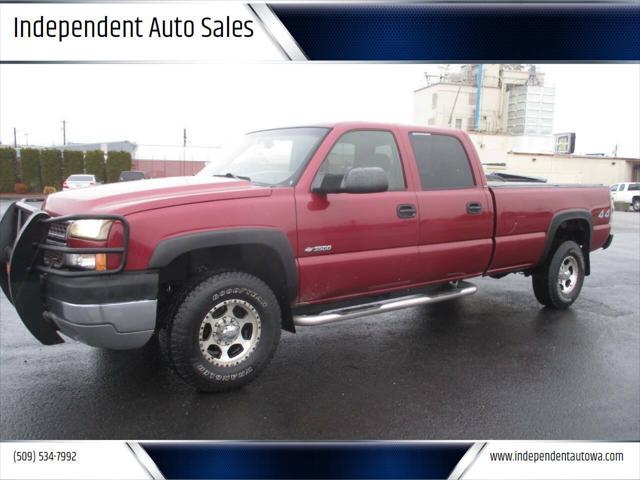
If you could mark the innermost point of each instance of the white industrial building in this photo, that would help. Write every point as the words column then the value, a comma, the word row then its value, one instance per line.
column 508, row 111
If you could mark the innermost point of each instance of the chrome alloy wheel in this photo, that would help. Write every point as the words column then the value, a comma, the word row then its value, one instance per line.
column 568, row 275
column 229, row 332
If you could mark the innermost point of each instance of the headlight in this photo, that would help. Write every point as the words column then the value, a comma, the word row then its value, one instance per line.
column 90, row 229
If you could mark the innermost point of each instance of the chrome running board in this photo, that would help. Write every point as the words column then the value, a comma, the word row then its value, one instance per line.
column 462, row 289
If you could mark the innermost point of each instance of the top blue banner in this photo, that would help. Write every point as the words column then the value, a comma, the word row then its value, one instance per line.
column 464, row 32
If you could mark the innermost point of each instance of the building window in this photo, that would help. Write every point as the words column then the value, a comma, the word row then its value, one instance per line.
column 434, row 100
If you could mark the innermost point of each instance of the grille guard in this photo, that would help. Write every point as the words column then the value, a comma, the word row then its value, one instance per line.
column 23, row 233
column 64, row 249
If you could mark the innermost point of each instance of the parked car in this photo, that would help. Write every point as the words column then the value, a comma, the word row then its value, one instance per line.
column 131, row 175
column 627, row 192
column 79, row 181
column 295, row 227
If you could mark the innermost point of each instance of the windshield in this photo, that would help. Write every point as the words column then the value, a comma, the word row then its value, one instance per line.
column 271, row 157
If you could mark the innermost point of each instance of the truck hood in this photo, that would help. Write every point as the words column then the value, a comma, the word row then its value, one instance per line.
column 124, row 198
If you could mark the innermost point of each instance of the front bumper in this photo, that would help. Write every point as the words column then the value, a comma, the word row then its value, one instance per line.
column 113, row 310
column 118, row 312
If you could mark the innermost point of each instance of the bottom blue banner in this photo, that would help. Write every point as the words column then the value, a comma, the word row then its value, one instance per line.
column 404, row 460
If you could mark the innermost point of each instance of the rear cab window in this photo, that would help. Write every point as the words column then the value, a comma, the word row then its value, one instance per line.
column 442, row 161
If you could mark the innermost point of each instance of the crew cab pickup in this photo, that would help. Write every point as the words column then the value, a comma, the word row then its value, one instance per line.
column 290, row 227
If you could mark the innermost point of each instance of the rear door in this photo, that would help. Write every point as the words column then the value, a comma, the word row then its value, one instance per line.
column 455, row 210
column 354, row 244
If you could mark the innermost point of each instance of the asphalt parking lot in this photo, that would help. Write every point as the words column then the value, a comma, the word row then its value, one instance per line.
column 491, row 366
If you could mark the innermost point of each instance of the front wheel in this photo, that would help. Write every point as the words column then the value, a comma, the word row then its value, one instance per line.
column 636, row 204
column 224, row 332
column 558, row 282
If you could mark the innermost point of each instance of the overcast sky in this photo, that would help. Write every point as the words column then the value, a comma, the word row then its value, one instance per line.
column 151, row 104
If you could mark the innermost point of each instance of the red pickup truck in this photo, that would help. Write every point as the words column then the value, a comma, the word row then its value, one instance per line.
column 290, row 227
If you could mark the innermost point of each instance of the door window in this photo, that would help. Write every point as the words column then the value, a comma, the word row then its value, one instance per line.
column 442, row 162
column 365, row 148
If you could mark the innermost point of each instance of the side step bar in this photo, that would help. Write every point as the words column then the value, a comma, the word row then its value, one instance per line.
column 462, row 289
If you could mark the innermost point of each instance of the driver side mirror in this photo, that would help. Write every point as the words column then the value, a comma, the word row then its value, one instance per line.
column 356, row 180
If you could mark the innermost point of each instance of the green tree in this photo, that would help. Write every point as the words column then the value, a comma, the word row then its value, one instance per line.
column 51, row 168
column 117, row 162
column 72, row 162
column 94, row 164
column 30, row 162
column 7, row 169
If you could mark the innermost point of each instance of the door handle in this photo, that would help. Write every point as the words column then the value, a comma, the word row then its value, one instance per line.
column 474, row 208
column 406, row 210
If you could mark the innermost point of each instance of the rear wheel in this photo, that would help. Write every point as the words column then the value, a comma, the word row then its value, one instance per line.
column 557, row 283
column 224, row 332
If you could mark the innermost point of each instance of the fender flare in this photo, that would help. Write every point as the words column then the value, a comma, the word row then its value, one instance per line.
column 556, row 221
column 168, row 250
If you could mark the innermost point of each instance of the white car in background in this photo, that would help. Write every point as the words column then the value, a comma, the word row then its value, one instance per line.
column 79, row 181
column 628, row 192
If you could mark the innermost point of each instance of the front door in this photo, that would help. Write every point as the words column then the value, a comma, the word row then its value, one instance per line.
column 357, row 244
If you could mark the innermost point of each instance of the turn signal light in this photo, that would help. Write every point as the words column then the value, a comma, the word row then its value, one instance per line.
column 101, row 261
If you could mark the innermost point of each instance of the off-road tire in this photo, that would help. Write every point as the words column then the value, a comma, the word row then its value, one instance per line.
column 169, row 311
column 182, row 333
column 546, row 279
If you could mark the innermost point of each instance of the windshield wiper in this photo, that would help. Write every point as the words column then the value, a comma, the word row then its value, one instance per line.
column 231, row 175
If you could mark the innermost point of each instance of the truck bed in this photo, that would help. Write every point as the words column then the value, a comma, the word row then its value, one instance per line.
column 524, row 214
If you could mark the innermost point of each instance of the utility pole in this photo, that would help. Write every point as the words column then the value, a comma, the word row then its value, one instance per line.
column 454, row 105
column 615, row 150
column 15, row 138
column 184, row 149
column 64, row 132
